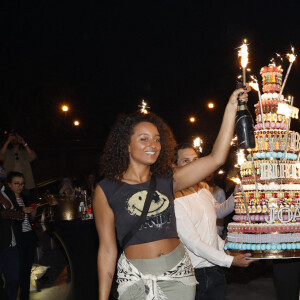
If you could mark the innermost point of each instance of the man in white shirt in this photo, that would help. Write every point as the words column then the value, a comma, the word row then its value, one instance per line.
column 196, row 213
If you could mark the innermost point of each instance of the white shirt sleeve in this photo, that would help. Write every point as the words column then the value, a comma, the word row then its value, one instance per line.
column 192, row 240
column 225, row 208
column 219, row 194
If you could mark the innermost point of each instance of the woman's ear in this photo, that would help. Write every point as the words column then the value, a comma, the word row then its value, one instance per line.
column 129, row 149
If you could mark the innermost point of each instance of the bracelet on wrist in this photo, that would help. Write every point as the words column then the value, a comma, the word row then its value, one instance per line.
column 26, row 144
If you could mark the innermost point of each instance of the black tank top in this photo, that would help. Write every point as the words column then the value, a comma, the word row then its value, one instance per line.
column 127, row 202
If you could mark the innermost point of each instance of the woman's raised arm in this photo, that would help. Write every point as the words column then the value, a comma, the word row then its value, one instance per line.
column 107, row 253
column 196, row 171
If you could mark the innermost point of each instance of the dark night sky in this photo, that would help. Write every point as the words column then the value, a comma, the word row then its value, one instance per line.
column 103, row 57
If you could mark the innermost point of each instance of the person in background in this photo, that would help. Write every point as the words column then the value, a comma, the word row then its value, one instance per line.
column 66, row 187
column 10, row 229
column 27, row 239
column 196, row 212
column 17, row 155
column 286, row 274
column 219, row 195
column 90, row 184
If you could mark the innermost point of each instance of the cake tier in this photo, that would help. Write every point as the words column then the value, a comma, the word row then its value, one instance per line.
column 266, row 97
column 275, row 158
column 263, row 228
column 271, row 88
column 271, row 170
column 270, row 69
column 271, row 121
column 259, row 203
column 268, row 106
column 264, row 240
column 266, row 254
column 269, row 109
column 272, row 186
column 259, row 218
column 269, row 140
column 273, row 112
column 272, row 79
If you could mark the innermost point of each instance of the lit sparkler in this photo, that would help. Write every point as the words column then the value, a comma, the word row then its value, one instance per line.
column 254, row 169
column 221, row 172
column 235, row 180
column 233, row 141
column 197, row 144
column 290, row 112
column 292, row 58
column 245, row 203
column 273, row 60
column 241, row 157
column 144, row 107
column 255, row 86
column 243, row 53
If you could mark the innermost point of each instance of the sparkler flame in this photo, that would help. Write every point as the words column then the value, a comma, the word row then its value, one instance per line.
column 197, row 144
column 233, row 141
column 273, row 60
column 292, row 57
column 144, row 107
column 235, row 179
column 241, row 157
column 254, row 85
column 243, row 53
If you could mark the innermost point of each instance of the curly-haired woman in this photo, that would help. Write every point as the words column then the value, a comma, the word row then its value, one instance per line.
column 154, row 264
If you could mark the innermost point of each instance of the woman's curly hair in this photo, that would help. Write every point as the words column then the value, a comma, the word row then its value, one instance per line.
column 115, row 158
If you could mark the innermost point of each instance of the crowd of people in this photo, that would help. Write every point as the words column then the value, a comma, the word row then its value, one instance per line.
column 18, row 240
column 157, row 201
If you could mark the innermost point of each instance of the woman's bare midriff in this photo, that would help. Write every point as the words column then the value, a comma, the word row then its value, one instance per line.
column 152, row 249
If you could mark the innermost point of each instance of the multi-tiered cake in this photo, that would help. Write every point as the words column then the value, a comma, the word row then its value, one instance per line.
column 267, row 213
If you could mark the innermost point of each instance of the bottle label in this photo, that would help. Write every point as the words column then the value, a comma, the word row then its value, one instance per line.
column 241, row 107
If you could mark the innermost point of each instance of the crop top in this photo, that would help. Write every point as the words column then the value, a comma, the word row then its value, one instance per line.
column 127, row 202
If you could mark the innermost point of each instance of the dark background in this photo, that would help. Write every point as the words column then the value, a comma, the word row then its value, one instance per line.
column 103, row 57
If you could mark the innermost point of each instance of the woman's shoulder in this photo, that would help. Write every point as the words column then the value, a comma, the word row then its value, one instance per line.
column 106, row 182
column 109, row 186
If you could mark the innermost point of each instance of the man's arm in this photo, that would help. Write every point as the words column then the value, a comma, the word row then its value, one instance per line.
column 30, row 153
column 219, row 194
column 4, row 147
column 225, row 208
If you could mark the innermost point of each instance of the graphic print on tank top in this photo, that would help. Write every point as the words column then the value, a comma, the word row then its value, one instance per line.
column 157, row 214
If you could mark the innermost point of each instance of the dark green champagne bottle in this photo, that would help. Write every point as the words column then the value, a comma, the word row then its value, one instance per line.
column 244, row 125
